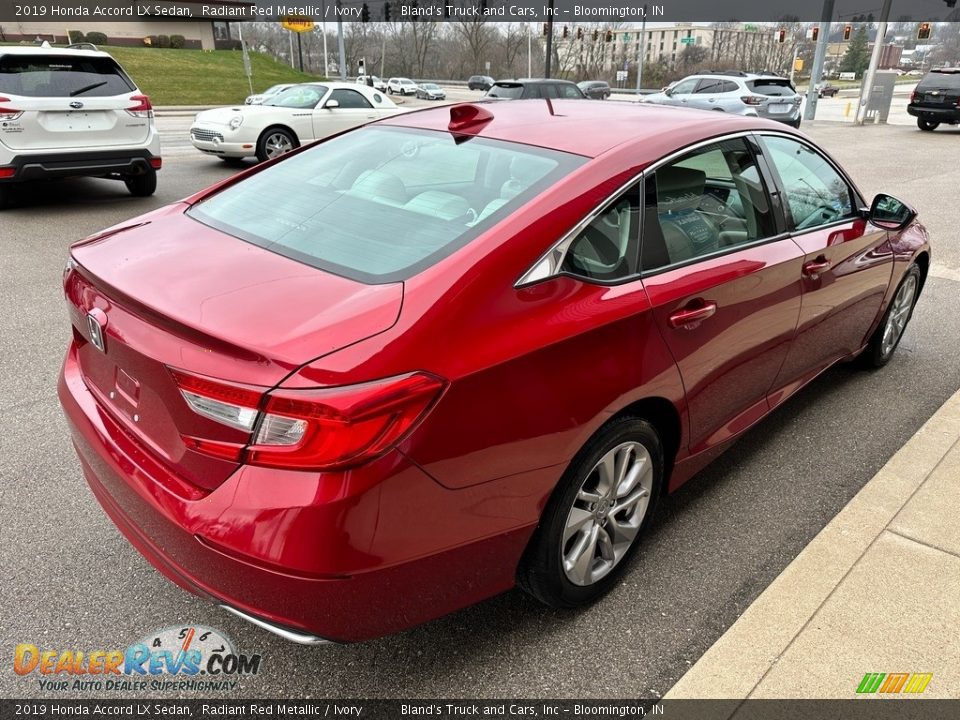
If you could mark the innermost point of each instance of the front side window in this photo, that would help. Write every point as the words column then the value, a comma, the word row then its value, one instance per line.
column 709, row 201
column 350, row 99
column 685, row 87
column 606, row 249
column 380, row 204
column 816, row 193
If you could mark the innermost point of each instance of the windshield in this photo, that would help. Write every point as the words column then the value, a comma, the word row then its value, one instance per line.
column 773, row 87
column 941, row 80
column 274, row 89
column 506, row 91
column 381, row 204
column 62, row 76
column 299, row 97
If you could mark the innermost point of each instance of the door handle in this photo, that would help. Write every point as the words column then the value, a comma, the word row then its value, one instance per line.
column 692, row 315
column 815, row 267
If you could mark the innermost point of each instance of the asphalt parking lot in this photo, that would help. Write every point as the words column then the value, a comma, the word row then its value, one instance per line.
column 71, row 582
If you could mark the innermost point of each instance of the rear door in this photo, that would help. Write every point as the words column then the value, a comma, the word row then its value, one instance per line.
column 69, row 100
column 847, row 262
column 724, row 281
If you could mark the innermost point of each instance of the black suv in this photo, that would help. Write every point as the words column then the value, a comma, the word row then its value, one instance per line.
column 937, row 99
column 534, row 88
column 479, row 82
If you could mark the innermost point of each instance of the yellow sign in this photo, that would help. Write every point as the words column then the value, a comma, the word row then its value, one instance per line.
column 798, row 64
column 298, row 24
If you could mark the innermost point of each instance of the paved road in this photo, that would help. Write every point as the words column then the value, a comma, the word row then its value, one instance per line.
column 69, row 581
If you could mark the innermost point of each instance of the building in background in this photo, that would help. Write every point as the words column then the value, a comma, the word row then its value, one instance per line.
column 198, row 34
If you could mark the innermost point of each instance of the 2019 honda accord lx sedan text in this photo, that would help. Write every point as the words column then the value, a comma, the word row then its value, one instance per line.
column 418, row 363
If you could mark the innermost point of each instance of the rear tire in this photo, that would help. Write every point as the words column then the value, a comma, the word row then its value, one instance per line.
column 143, row 185
column 599, row 509
column 927, row 125
column 886, row 338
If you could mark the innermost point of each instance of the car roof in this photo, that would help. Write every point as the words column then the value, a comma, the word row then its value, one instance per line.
column 49, row 50
column 542, row 81
column 571, row 125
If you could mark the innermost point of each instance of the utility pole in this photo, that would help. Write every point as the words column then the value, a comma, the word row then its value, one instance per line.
column 811, row 110
column 642, row 52
column 867, row 88
column 293, row 64
column 546, row 65
column 529, row 52
column 343, row 54
column 300, row 49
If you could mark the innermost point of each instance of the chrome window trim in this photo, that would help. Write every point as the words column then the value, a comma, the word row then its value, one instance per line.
column 553, row 258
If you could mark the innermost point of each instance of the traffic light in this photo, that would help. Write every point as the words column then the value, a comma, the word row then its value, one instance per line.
column 579, row 33
column 782, row 35
column 386, row 12
column 596, row 35
column 546, row 29
column 364, row 13
column 609, row 36
column 566, row 32
column 815, row 33
column 847, row 31
column 924, row 31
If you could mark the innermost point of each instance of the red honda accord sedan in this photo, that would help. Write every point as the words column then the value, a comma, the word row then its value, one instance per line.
column 409, row 367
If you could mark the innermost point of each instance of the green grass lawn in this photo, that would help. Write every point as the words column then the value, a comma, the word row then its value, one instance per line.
column 195, row 77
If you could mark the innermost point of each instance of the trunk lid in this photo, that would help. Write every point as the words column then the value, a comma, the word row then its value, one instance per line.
column 173, row 293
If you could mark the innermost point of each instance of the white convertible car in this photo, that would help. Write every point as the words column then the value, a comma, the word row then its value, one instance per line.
column 297, row 115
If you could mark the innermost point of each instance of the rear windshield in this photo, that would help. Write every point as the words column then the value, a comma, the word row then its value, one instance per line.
column 62, row 76
column 506, row 91
column 381, row 204
column 771, row 87
column 941, row 80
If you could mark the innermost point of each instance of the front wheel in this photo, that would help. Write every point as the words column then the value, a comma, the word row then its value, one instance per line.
column 928, row 125
column 887, row 336
column 275, row 142
column 598, row 511
column 142, row 185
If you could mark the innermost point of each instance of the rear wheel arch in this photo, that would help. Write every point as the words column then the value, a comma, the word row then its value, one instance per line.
column 665, row 418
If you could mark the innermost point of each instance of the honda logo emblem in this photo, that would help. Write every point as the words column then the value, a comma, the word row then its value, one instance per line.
column 95, row 326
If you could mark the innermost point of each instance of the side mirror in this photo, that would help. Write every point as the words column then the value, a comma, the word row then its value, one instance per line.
column 331, row 104
column 889, row 213
column 668, row 91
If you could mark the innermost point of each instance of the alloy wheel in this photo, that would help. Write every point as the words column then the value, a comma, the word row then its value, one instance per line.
column 607, row 513
column 277, row 144
column 899, row 315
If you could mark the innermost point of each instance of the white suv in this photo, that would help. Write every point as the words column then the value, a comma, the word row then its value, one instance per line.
column 71, row 112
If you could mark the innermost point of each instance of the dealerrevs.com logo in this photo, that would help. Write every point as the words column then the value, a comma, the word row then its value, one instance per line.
column 191, row 658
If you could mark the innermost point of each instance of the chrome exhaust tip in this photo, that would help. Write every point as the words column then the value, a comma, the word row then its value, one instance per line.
column 287, row 634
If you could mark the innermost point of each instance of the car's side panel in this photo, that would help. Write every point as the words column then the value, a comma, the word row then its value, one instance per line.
column 840, row 302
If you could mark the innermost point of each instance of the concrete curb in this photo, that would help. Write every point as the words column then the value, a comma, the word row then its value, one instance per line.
column 741, row 660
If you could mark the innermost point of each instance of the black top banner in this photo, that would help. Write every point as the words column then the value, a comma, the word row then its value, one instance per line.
column 503, row 11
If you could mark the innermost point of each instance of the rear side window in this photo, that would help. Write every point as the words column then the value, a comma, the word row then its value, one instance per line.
column 62, row 76
column 381, row 204
column 570, row 91
column 940, row 80
column 771, row 87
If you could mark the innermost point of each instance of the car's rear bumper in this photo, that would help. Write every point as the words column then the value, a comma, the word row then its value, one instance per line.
column 345, row 557
column 47, row 165
column 937, row 114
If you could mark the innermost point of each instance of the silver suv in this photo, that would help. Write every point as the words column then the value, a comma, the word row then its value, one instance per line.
column 753, row 94
column 73, row 112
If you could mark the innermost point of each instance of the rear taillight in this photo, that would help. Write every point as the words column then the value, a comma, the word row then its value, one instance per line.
column 156, row 163
column 323, row 429
column 914, row 96
column 8, row 113
column 143, row 108
column 752, row 99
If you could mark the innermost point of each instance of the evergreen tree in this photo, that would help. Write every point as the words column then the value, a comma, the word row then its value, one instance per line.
column 857, row 58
